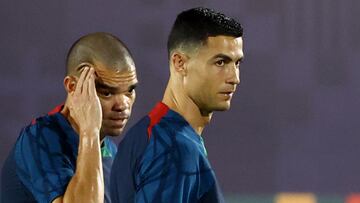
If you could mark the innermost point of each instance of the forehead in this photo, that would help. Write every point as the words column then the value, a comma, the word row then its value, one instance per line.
column 232, row 46
column 116, row 77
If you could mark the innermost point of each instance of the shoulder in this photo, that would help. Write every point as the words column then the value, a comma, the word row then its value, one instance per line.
column 134, row 142
column 137, row 133
column 175, row 134
column 180, row 144
column 43, row 139
column 141, row 126
column 43, row 129
column 130, row 150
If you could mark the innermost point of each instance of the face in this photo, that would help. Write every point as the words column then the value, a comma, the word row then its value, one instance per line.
column 116, row 91
column 213, row 73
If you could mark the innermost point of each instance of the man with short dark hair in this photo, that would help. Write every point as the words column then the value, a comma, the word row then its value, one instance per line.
column 163, row 158
column 66, row 155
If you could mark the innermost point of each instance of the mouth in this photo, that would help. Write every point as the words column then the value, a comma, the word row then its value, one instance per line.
column 118, row 122
column 227, row 94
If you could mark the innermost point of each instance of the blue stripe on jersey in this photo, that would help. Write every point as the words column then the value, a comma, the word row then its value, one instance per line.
column 170, row 167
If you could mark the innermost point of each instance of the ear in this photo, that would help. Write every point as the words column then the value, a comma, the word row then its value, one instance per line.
column 70, row 84
column 178, row 61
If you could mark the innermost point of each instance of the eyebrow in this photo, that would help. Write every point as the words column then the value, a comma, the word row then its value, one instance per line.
column 133, row 86
column 226, row 57
column 101, row 85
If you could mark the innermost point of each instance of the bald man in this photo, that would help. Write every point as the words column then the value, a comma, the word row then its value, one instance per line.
column 66, row 155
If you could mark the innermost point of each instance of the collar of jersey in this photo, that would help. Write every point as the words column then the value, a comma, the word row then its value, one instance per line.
column 173, row 115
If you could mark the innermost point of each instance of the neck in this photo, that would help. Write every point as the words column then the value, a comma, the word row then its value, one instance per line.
column 176, row 99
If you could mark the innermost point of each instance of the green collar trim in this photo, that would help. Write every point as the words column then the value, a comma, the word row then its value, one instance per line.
column 105, row 152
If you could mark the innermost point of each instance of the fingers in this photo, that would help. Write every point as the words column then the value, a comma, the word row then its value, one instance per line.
column 85, row 88
column 91, row 85
column 80, row 83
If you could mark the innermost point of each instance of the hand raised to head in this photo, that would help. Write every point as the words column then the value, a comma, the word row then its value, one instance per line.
column 84, row 104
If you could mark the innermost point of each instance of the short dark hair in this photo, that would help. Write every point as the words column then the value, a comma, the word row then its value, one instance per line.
column 98, row 47
column 195, row 25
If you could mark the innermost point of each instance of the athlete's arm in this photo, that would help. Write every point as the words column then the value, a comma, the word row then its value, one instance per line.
column 85, row 109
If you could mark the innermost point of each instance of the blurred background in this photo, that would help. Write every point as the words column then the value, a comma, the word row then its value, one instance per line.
column 292, row 134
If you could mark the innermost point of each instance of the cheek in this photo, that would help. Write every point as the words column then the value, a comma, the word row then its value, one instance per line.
column 132, row 98
column 105, row 105
column 196, row 76
column 207, row 78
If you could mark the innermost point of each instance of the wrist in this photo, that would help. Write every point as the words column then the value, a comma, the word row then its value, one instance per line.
column 90, row 132
column 88, row 140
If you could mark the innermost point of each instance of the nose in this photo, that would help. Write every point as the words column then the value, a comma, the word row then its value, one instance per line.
column 234, row 76
column 121, row 103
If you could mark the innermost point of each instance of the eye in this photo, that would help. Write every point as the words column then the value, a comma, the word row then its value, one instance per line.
column 237, row 63
column 105, row 94
column 220, row 63
column 131, row 90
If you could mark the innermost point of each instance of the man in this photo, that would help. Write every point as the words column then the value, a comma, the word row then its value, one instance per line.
column 66, row 156
column 163, row 158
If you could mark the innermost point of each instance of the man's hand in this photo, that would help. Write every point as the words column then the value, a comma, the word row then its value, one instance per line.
column 84, row 104
column 87, row 184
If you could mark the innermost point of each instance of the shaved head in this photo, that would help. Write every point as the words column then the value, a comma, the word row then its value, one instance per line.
column 98, row 48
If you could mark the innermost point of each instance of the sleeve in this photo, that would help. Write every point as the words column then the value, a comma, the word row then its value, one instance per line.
column 42, row 165
column 130, row 149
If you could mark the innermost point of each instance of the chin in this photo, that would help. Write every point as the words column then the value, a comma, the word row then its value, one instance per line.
column 113, row 132
column 222, row 106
